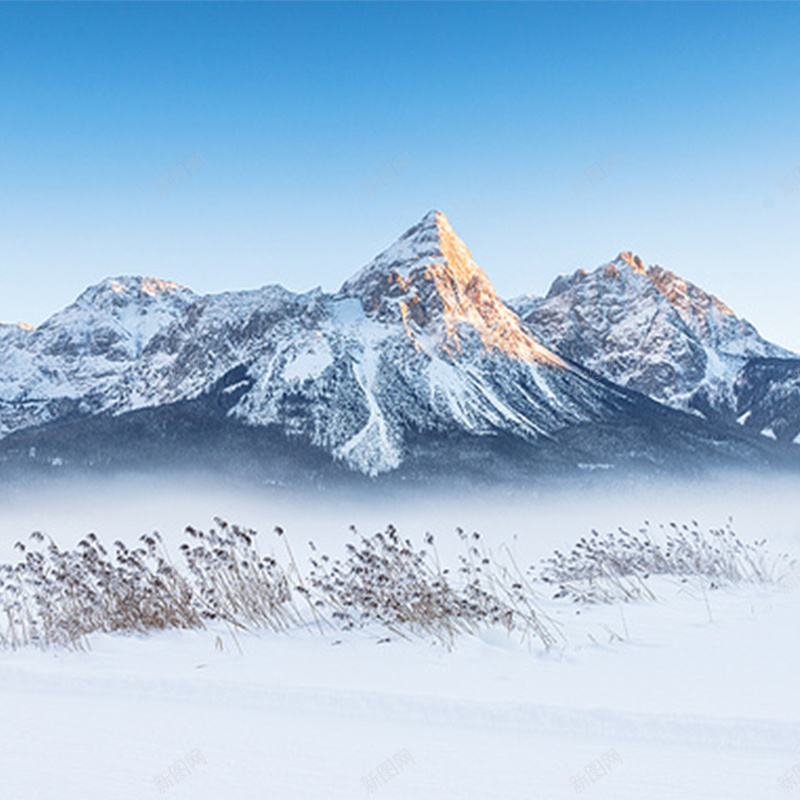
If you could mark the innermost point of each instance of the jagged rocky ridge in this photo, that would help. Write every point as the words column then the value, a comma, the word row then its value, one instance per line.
column 414, row 367
column 647, row 329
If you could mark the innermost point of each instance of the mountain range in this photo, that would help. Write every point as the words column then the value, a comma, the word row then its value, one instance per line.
column 415, row 368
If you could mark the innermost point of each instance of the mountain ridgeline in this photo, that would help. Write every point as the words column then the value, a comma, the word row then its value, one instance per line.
column 414, row 370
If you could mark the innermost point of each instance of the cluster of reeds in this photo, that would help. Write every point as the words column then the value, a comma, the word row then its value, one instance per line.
column 385, row 580
column 616, row 566
column 233, row 582
column 57, row 597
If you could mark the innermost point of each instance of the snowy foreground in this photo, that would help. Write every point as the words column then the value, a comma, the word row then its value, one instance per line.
column 692, row 696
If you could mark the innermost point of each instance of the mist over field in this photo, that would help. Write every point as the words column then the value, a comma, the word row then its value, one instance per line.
column 535, row 520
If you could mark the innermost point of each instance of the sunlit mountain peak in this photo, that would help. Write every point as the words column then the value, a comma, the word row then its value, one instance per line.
column 429, row 279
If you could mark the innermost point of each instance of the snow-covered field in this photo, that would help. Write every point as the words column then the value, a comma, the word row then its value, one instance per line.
column 695, row 694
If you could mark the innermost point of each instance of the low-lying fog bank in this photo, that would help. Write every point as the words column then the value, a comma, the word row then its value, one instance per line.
column 534, row 521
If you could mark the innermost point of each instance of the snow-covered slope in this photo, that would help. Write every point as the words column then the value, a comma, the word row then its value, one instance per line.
column 649, row 330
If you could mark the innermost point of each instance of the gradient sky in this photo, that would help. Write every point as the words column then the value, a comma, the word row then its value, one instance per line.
column 293, row 106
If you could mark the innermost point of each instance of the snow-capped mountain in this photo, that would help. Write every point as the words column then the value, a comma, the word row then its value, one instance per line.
column 414, row 361
column 83, row 358
column 650, row 330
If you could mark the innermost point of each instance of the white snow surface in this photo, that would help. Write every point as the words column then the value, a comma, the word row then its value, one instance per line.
column 301, row 717
column 699, row 702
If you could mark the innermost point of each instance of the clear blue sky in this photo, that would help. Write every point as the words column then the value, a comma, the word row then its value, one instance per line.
column 500, row 106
